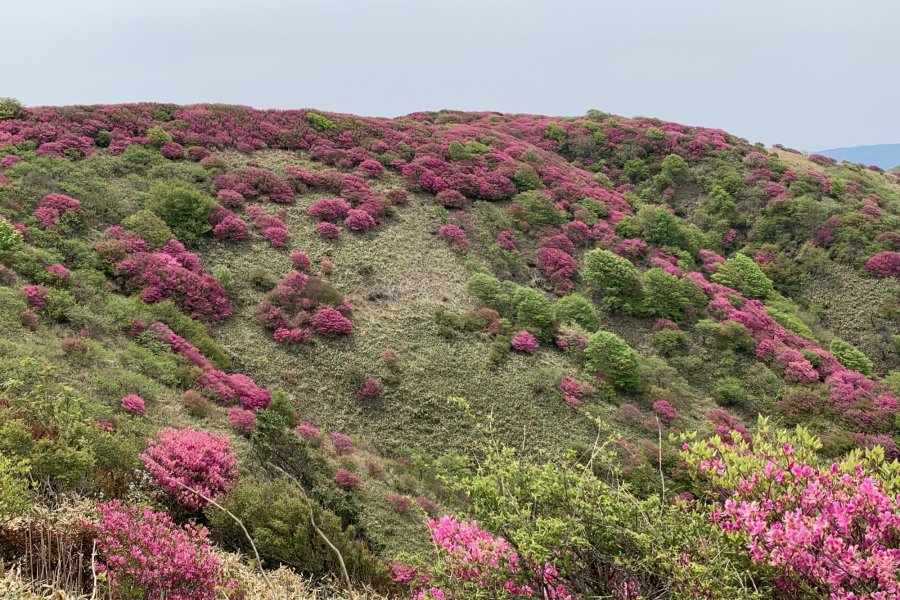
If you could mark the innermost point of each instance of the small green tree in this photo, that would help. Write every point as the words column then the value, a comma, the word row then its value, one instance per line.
column 458, row 152
column 669, row 296
column 538, row 209
column 13, row 488
column 183, row 208
column 744, row 275
column 611, row 275
column 10, row 237
column 488, row 289
column 533, row 309
column 158, row 136
column 850, row 357
column 320, row 123
column 9, row 108
column 610, row 355
column 150, row 227
column 575, row 309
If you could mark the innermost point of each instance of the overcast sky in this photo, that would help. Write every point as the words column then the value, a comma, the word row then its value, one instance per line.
column 811, row 74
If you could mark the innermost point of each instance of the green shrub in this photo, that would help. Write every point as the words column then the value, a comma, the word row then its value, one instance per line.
column 730, row 392
column 669, row 296
column 741, row 273
column 320, row 123
column 671, row 342
column 538, row 210
column 158, row 136
column 735, row 336
column 458, row 152
column 183, row 208
column 635, row 170
column 629, row 227
column 850, row 357
column 489, row 291
column 575, row 309
column 14, row 499
column 609, row 354
column 555, row 132
column 476, row 147
column 9, row 108
column 527, row 179
column 611, row 275
column 533, row 309
column 662, row 228
column 10, row 237
column 150, row 227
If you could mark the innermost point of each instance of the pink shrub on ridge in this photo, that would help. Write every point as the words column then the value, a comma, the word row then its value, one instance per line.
column 52, row 207
column 58, row 270
column 34, row 295
column 300, row 261
column 346, row 479
column 330, row 320
column 188, row 457
column 665, row 411
column 230, row 198
column 172, row 150
column 370, row 389
column 307, row 431
column 327, row 231
column 359, row 220
column 329, row 209
column 524, row 342
column 231, row 228
column 453, row 234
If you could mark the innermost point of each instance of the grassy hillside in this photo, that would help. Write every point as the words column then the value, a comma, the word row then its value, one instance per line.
column 443, row 288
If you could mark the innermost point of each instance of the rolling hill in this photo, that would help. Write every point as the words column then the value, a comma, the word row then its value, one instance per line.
column 336, row 342
column 886, row 156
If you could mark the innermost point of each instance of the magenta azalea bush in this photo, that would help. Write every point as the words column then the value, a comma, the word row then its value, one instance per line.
column 884, row 264
column 144, row 554
column 133, row 404
column 524, row 342
column 188, row 458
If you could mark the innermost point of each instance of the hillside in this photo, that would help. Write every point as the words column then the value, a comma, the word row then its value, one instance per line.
column 370, row 322
column 885, row 156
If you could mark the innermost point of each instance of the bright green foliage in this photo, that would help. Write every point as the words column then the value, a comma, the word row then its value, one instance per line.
column 538, row 210
column 662, row 228
column 575, row 308
column 609, row 354
column 277, row 516
column 476, row 147
column 458, row 152
column 635, row 170
column 673, row 166
column 320, row 123
column 555, row 132
column 158, row 136
column 489, row 291
column 669, row 296
column 533, row 309
column 183, row 208
column 730, row 391
column 744, row 275
column 850, row 357
column 13, row 488
column 9, row 108
column 670, row 342
column 150, row 227
column 10, row 237
column 611, row 275
column 526, row 179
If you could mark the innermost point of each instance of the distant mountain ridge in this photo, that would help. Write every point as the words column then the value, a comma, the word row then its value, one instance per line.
column 886, row 156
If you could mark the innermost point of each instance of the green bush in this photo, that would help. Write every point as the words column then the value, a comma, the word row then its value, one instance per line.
column 741, row 273
column 671, row 342
column 555, row 132
column 575, row 309
column 609, row 354
column 458, row 152
column 489, row 291
column 277, row 517
column 533, row 309
column 10, row 237
column 850, row 357
column 13, row 488
column 527, row 179
column 183, row 208
column 158, row 136
column 730, row 392
column 150, row 227
column 611, row 275
column 9, row 108
column 476, row 147
column 669, row 296
column 538, row 210
column 320, row 123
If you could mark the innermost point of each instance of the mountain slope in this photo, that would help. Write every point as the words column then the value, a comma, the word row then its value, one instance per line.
column 885, row 156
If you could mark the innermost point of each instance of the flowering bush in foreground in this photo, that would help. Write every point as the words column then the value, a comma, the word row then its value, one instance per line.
column 827, row 530
column 145, row 555
column 200, row 460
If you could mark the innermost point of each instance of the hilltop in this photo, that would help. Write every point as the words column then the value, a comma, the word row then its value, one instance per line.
column 373, row 322
column 886, row 156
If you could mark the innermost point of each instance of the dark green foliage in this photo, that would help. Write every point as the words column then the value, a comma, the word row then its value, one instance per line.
column 610, row 355
column 575, row 308
column 662, row 228
column 150, row 227
column 669, row 296
column 611, row 275
column 850, row 357
column 635, row 170
column 489, row 291
column 538, row 210
column 183, row 208
column 671, row 342
column 730, row 391
column 277, row 517
column 9, row 108
column 526, row 179
column 743, row 274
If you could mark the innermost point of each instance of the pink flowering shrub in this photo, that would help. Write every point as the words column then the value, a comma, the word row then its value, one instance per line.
column 524, row 342
column 58, row 270
column 346, row 479
column 52, row 207
column 231, row 228
column 454, row 235
column 300, row 261
column 342, row 443
column 242, row 420
column 196, row 459
column 329, row 209
column 133, row 404
column 370, row 168
column 359, row 220
column 144, row 554
column 472, row 562
column 308, row 431
column 370, row 389
column 884, row 264
column 665, row 411
column 230, row 198
column 327, row 231
column 35, row 295
column 572, row 390
column 172, row 150
column 9, row 161
column 329, row 320
column 831, row 530
column 505, row 240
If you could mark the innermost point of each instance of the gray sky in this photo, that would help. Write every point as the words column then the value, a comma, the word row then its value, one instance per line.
column 807, row 73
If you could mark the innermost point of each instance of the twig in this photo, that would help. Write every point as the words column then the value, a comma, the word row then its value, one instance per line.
column 94, row 570
column 244, row 529
column 662, row 479
column 344, row 574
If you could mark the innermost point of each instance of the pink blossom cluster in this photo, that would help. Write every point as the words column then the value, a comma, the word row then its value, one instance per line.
column 342, row 443
column 59, row 270
column 242, row 420
column 347, row 479
column 133, row 404
column 884, row 264
column 272, row 228
column 572, row 390
column 255, row 182
column 370, row 389
column 188, row 458
column 52, row 207
column 173, row 273
column 524, row 342
column 141, row 550
column 454, row 235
